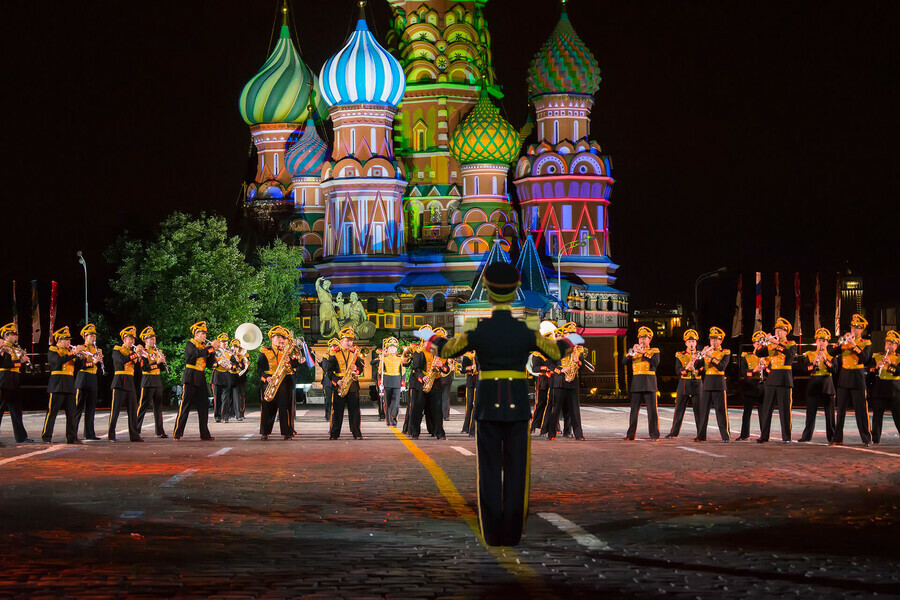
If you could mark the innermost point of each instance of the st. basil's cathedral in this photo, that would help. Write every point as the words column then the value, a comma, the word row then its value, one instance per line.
column 412, row 196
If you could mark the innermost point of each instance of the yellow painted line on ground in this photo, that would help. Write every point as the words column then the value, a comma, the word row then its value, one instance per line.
column 508, row 558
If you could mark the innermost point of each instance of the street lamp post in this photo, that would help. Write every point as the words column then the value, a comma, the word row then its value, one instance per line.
column 84, row 264
column 573, row 244
column 709, row 275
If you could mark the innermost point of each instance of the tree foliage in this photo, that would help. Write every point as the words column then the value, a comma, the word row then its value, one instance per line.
column 279, row 271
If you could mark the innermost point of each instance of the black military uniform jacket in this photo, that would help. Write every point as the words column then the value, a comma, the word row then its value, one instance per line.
column 851, row 369
column 326, row 381
column 124, row 360
column 150, row 374
column 643, row 369
column 751, row 379
column 9, row 372
column 502, row 344
column 267, row 363
column 197, row 356
column 820, row 381
column 781, row 357
column 713, row 367
column 688, row 380
column 888, row 383
column 337, row 366
column 420, row 365
column 62, row 370
column 558, row 379
column 86, row 371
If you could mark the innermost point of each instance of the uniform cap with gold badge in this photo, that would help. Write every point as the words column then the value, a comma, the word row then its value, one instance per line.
column 391, row 341
column 715, row 332
column 502, row 280
column 130, row 330
column 892, row 336
column 198, row 326
column 8, row 328
column 235, row 342
column 691, row 334
column 279, row 330
column 758, row 335
column 62, row 333
column 859, row 321
column 570, row 327
column 782, row 323
column 147, row 332
column 823, row 334
column 347, row 332
column 223, row 337
column 333, row 342
column 645, row 331
column 440, row 332
column 88, row 329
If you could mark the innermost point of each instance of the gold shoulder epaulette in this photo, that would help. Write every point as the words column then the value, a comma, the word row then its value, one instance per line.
column 54, row 349
column 470, row 325
column 726, row 351
column 654, row 350
column 533, row 322
column 122, row 349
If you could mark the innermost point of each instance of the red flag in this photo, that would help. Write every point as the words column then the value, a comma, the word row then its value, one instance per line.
column 53, row 292
column 777, row 298
column 817, row 319
column 757, row 318
column 35, row 316
column 837, row 307
column 797, row 330
column 15, row 307
column 737, row 323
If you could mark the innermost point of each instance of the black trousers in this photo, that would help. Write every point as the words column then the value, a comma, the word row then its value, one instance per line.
column 86, row 404
column 66, row 401
column 232, row 404
column 328, row 391
column 681, row 402
column 846, row 396
column 782, row 397
column 445, row 400
column 564, row 399
column 151, row 396
column 282, row 406
column 879, row 405
column 220, row 392
column 813, row 402
column 351, row 402
column 193, row 396
column 540, row 411
column 719, row 399
column 503, row 476
column 392, row 405
column 751, row 401
column 126, row 399
column 648, row 398
column 434, row 403
column 408, row 413
column 468, row 421
column 11, row 400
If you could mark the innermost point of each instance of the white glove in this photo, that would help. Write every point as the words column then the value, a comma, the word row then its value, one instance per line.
column 424, row 334
column 576, row 339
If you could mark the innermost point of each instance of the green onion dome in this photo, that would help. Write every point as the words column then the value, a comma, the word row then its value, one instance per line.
column 279, row 92
column 484, row 136
column 563, row 64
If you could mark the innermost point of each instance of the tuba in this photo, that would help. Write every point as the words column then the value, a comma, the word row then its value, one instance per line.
column 249, row 335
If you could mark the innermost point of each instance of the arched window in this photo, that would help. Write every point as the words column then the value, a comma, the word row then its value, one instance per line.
column 372, row 305
column 439, row 303
column 555, row 131
column 388, row 304
column 352, row 141
column 420, row 304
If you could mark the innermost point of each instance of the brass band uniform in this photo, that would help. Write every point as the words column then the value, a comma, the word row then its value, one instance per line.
column 886, row 395
column 197, row 356
column 753, row 376
column 564, row 389
column 283, row 352
column 854, row 353
column 326, row 380
column 344, row 368
column 644, row 361
column 12, row 357
column 713, row 361
column 820, row 390
column 237, row 382
column 779, row 386
column 125, row 357
column 425, row 373
column 390, row 370
column 689, row 386
column 469, row 367
column 502, row 408
column 86, row 383
column 151, row 383
column 220, row 382
column 61, row 359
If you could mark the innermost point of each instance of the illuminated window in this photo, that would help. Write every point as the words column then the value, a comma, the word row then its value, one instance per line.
column 476, row 186
column 555, row 131
column 494, row 192
column 352, row 141
column 567, row 216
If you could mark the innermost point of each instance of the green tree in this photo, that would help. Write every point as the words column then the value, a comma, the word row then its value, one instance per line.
column 191, row 271
column 279, row 272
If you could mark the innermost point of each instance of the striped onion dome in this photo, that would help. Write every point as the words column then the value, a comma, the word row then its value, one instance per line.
column 484, row 136
column 279, row 92
column 564, row 64
column 305, row 157
column 362, row 72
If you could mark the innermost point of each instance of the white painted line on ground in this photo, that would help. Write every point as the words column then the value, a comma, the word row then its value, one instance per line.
column 302, row 413
column 580, row 535
column 30, row 454
column 220, row 452
column 247, row 436
column 689, row 449
column 842, row 447
column 172, row 481
column 463, row 451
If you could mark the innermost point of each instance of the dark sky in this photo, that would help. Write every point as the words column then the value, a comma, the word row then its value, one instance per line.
column 752, row 135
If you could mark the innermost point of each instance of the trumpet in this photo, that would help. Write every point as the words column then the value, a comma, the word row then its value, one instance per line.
column 16, row 352
column 635, row 350
column 847, row 339
column 156, row 353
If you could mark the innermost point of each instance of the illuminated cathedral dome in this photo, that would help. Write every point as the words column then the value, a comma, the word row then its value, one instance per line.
column 305, row 158
column 279, row 92
column 484, row 136
column 362, row 72
column 564, row 64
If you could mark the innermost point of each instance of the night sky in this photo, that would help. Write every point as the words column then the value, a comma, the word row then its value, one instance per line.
column 752, row 135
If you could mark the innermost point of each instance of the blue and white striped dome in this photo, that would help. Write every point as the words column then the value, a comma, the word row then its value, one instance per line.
column 362, row 73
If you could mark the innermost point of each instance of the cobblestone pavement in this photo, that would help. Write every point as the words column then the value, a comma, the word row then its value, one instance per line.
column 244, row 518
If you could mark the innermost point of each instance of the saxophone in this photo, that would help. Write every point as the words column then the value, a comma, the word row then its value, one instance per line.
column 350, row 376
column 428, row 382
column 569, row 368
column 281, row 370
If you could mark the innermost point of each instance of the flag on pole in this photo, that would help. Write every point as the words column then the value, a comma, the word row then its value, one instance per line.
column 53, row 291
column 817, row 319
column 797, row 330
column 837, row 307
column 777, row 298
column 35, row 316
column 15, row 307
column 757, row 318
column 737, row 324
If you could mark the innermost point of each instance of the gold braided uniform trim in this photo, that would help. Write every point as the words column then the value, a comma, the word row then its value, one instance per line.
column 504, row 375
